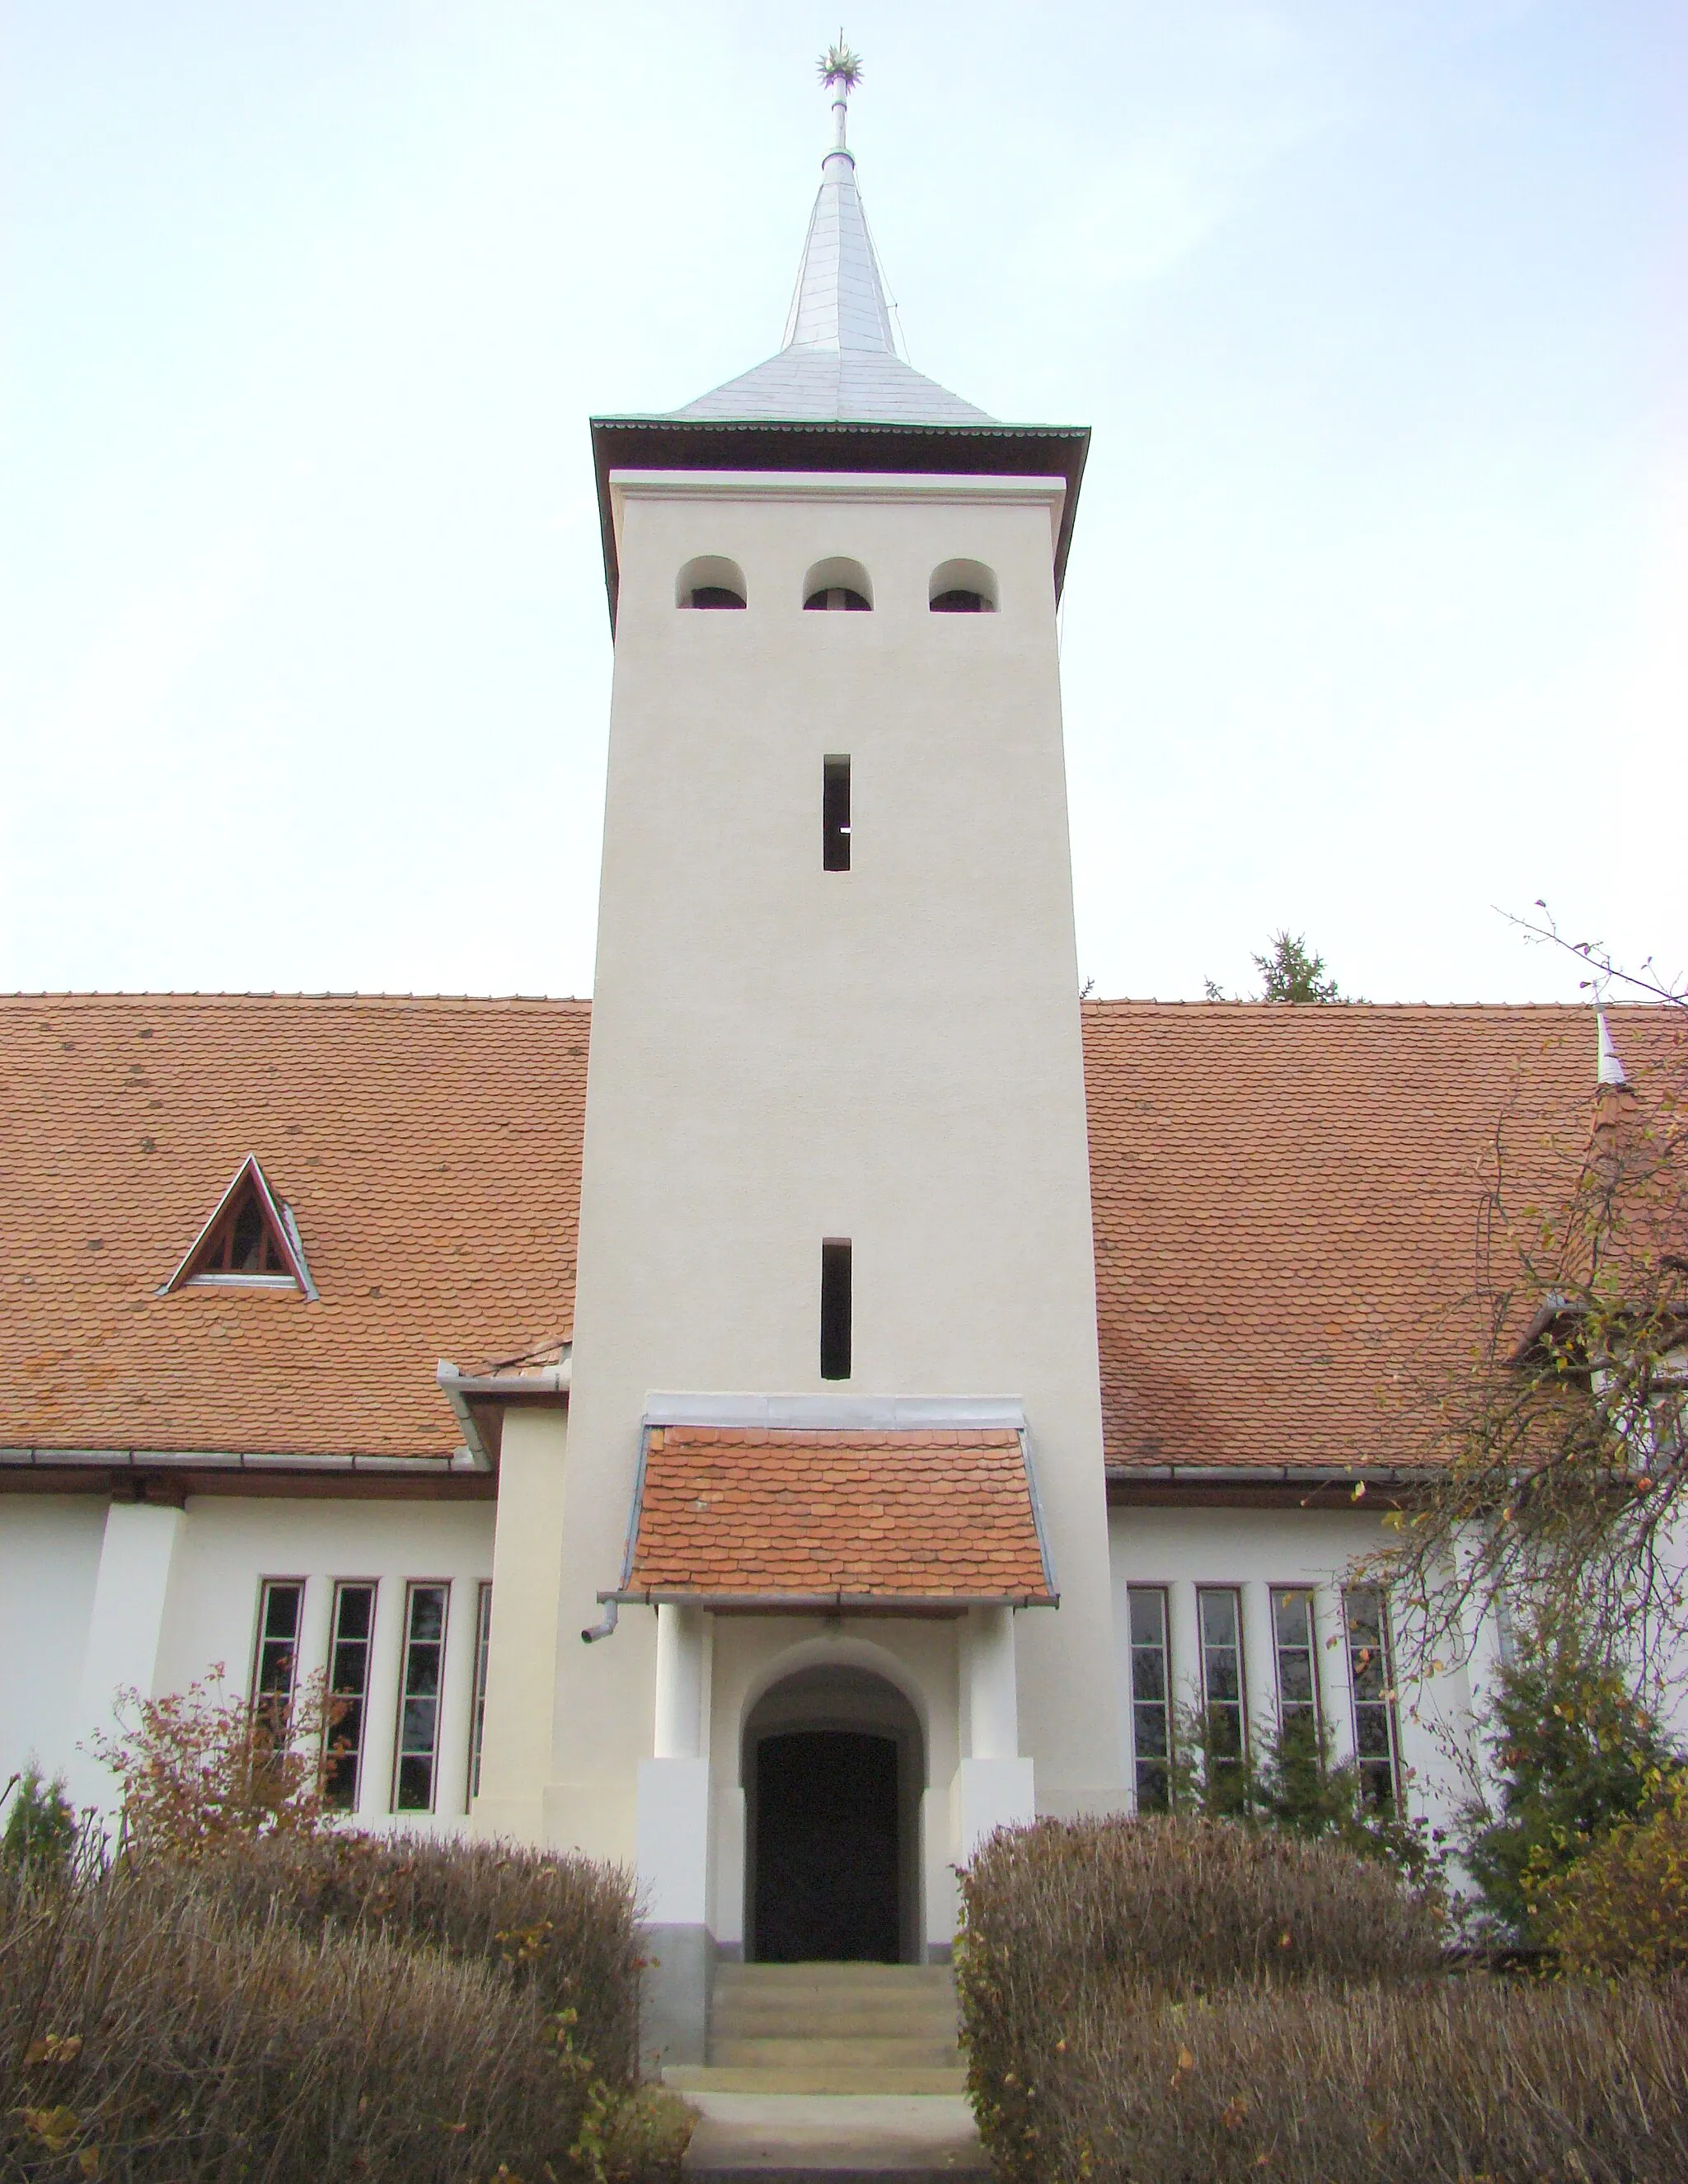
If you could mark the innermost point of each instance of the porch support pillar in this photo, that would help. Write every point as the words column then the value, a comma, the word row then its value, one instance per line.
column 671, row 1844
column 993, row 1786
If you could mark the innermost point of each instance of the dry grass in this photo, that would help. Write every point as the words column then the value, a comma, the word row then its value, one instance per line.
column 1162, row 2001
column 291, row 2014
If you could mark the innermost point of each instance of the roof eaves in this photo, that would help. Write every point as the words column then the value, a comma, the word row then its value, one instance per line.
column 694, row 443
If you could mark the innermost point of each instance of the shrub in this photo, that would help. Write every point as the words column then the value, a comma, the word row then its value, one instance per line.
column 41, row 1829
column 1294, row 1783
column 1622, row 1909
column 1067, row 1916
column 146, row 2034
column 562, row 1927
column 1517, row 2083
column 1574, row 1752
column 198, row 1769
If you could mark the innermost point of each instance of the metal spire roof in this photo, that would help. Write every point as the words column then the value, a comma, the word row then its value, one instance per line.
column 839, row 364
column 1611, row 1070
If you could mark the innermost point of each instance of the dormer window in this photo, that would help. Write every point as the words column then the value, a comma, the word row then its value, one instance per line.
column 252, row 1241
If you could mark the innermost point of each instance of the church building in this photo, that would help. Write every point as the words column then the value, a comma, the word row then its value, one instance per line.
column 838, row 1390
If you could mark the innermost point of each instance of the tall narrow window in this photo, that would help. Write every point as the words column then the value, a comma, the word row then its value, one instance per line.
column 835, row 1308
column 1224, row 1716
column 1151, row 1698
column 478, row 1712
column 280, row 1612
column 1292, row 1638
column 1377, row 1738
column 349, row 1690
column 835, row 815
column 419, row 1701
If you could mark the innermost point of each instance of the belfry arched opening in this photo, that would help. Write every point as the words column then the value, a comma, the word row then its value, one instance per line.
column 834, row 1765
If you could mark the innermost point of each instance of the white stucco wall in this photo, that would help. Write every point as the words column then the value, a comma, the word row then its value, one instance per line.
column 49, row 1561
column 1256, row 1550
column 229, row 1545
column 781, row 1054
column 95, row 1596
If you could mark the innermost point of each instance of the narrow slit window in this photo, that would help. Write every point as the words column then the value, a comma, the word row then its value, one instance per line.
column 349, row 1691
column 1376, row 1735
column 835, row 816
column 478, row 1712
column 275, row 1669
column 1297, row 1661
column 835, row 1308
column 1224, row 1715
column 419, row 1701
column 1151, row 1698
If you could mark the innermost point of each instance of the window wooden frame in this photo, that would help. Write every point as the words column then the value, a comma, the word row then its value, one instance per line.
column 1371, row 1697
column 416, row 1739
column 477, row 1700
column 1240, row 1705
column 1151, row 1770
column 345, row 1741
column 263, row 1690
column 1311, row 1706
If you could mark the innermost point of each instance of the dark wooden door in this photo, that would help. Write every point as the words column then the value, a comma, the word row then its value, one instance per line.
column 826, row 1884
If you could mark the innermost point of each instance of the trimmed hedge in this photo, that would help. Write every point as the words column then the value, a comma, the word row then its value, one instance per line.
column 337, row 2008
column 1164, row 2000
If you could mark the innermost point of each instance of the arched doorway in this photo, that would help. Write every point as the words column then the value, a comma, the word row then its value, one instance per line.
column 834, row 1765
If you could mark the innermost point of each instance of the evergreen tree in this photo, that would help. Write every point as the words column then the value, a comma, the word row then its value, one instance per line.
column 1289, row 973
column 1575, row 1752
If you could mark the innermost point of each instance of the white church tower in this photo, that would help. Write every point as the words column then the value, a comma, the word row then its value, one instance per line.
column 830, row 1507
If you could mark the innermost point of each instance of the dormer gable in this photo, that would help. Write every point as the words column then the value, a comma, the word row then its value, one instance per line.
column 251, row 1241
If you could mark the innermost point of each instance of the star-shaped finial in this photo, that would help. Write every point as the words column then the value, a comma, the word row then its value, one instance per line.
column 839, row 65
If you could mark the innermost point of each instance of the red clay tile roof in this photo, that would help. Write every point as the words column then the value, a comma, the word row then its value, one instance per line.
column 1285, row 1204
column 728, row 1512
column 430, row 1150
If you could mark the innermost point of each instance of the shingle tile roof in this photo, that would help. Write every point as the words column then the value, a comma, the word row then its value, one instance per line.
column 922, row 1514
column 430, row 1150
column 1285, row 1203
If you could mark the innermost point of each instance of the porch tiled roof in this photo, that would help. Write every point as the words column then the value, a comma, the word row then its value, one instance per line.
column 727, row 1512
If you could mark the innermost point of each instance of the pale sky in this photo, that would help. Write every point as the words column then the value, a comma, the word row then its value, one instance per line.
column 1378, row 609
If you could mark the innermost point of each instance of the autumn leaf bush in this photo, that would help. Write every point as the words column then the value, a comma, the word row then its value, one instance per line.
column 1621, row 1908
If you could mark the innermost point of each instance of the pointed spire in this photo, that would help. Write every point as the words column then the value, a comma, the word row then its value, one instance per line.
column 840, row 297
column 1611, row 1069
column 838, row 362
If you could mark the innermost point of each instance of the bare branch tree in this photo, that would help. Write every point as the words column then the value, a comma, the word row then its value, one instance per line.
column 1560, row 1485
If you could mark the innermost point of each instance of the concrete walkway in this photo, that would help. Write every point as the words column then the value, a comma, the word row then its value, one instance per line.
column 767, row 2138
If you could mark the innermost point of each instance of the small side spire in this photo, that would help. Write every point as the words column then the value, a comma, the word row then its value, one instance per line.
column 1611, row 1070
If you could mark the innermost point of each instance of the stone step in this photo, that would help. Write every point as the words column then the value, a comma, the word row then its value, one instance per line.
column 789, row 2054
column 910, row 1978
column 846, row 2016
column 745, row 2138
column 689, row 2078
